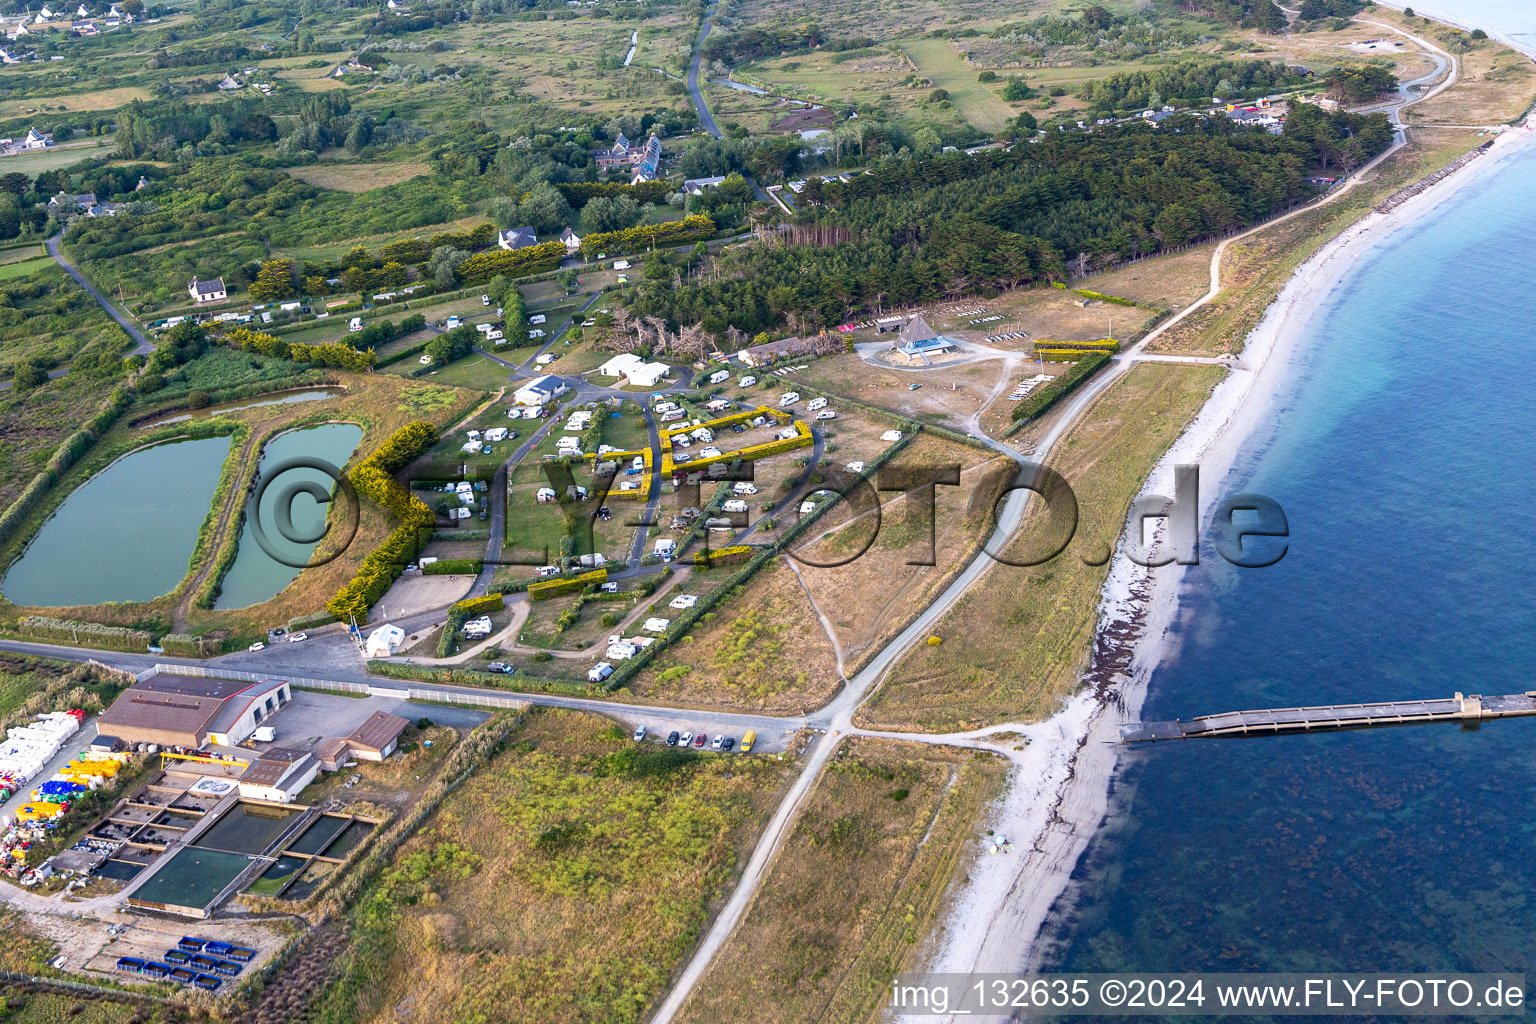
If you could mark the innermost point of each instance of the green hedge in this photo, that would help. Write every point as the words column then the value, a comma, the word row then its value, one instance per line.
column 546, row 589
column 578, row 193
column 478, row 605
column 1115, row 299
column 1059, row 388
column 372, row 479
column 693, row 226
column 453, row 567
column 534, row 259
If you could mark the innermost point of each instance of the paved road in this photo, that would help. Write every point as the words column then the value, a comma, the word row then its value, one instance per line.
column 143, row 345
column 706, row 119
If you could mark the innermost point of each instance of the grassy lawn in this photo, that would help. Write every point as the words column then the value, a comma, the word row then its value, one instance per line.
column 858, row 883
column 22, row 269
column 1015, row 642
column 565, row 881
column 54, row 157
column 937, row 61
column 473, row 371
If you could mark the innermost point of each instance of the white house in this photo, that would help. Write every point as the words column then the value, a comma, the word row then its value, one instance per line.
column 517, row 238
column 384, row 641
column 571, row 240
column 696, row 186
column 229, row 83
column 207, row 291
column 35, row 140
column 540, row 390
column 620, row 365
column 647, row 375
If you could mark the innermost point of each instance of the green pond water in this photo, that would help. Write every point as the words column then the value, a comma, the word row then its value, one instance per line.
column 318, row 835
column 247, row 828
column 256, row 575
column 192, row 877
column 127, row 533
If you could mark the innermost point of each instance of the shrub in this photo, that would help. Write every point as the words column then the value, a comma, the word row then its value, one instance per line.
column 92, row 634
column 546, row 589
column 453, row 567
column 1059, row 388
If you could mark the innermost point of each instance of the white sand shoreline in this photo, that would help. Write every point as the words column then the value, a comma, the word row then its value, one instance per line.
column 1061, row 786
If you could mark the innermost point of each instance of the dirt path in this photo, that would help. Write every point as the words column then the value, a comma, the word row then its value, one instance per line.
column 234, row 503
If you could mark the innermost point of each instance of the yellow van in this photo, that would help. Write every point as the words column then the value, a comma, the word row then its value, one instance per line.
column 747, row 741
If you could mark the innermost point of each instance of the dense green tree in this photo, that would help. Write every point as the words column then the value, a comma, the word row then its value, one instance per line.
column 610, row 213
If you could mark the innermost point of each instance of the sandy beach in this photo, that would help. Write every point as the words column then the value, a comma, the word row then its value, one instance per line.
column 1063, row 779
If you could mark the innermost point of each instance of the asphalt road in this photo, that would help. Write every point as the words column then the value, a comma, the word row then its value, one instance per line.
column 143, row 346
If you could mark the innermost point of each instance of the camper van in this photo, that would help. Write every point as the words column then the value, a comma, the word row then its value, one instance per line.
column 747, row 741
column 720, row 376
column 355, row 324
column 747, row 381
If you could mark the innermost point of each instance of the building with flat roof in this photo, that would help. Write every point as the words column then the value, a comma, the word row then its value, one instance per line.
column 192, row 711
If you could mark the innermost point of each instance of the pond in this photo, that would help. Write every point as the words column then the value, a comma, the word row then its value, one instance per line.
column 286, row 398
column 127, row 533
column 739, row 86
column 256, row 576
column 246, row 828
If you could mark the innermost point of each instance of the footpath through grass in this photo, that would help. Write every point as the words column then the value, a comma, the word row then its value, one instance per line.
column 858, row 883
column 1014, row 643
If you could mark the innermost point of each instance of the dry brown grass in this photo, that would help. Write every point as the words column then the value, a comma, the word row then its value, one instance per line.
column 763, row 650
column 858, row 883
column 1497, row 86
column 359, row 177
column 1014, row 643
column 101, row 99
column 872, row 598
column 564, row 881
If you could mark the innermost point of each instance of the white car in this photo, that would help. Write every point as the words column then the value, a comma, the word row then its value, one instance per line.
column 685, row 739
column 711, row 453
column 640, row 734
column 257, row 646
column 718, row 742
column 298, row 638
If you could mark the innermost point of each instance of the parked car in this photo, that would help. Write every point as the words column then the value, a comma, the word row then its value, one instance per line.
column 639, row 734
column 700, row 740
column 500, row 666
column 485, row 300
column 719, row 742
column 672, row 738
column 730, row 742
column 298, row 638
column 257, row 646
column 685, row 739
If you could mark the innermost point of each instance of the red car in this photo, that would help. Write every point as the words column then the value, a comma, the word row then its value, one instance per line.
column 700, row 739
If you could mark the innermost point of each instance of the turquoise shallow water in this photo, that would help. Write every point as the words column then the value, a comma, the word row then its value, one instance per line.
column 1404, row 455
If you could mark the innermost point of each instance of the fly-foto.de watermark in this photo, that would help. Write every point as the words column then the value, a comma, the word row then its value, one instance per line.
column 1247, row 530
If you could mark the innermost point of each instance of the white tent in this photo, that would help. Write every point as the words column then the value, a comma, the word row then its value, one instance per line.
column 385, row 641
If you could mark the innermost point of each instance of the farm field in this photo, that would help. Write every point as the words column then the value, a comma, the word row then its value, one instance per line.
column 937, row 61
column 352, row 177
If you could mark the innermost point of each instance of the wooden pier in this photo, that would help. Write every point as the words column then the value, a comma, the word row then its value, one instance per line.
column 1274, row 721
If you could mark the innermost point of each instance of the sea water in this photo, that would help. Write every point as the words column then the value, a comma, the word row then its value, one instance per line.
column 1403, row 451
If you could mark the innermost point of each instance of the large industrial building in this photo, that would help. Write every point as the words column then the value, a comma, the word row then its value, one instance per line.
column 192, row 712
